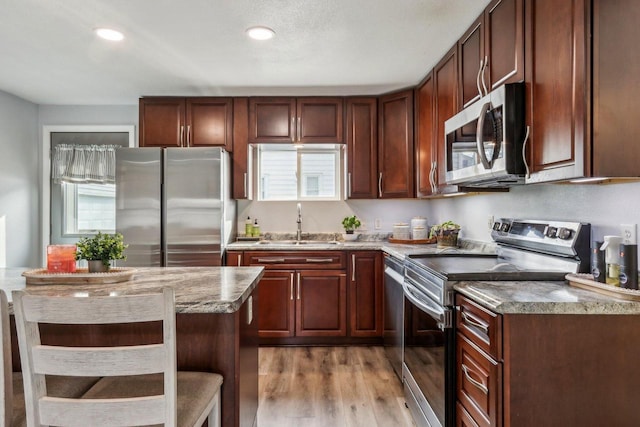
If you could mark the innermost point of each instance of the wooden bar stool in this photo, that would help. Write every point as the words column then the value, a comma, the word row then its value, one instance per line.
column 12, row 412
column 140, row 386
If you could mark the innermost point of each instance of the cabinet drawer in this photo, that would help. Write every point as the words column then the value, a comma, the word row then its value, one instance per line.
column 463, row 419
column 479, row 383
column 481, row 326
column 321, row 260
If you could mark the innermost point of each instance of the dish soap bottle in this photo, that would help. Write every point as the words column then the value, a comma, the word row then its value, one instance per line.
column 611, row 247
column 256, row 229
column 248, row 227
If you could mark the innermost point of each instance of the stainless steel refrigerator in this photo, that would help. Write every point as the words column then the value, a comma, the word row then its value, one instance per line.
column 173, row 206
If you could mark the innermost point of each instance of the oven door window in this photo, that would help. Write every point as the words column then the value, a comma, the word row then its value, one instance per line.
column 424, row 355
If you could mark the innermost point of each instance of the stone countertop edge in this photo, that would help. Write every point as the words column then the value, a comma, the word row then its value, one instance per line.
column 533, row 297
column 197, row 289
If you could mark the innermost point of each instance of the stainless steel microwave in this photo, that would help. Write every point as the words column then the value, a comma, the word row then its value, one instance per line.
column 485, row 141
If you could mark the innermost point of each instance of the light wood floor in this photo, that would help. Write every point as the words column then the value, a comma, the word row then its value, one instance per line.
column 329, row 387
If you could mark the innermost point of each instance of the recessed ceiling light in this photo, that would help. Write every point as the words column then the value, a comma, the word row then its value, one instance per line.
column 260, row 33
column 109, row 34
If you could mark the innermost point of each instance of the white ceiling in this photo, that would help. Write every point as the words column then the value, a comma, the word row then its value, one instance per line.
column 50, row 54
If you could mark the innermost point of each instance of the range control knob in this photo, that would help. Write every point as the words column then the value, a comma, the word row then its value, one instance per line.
column 496, row 226
column 552, row 232
column 565, row 233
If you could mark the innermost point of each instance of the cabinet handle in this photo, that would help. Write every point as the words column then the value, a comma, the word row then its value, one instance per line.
column 298, row 285
column 181, row 136
column 299, row 129
column 467, row 319
column 380, row 185
column 483, row 388
column 484, row 86
column 353, row 267
column 270, row 260
column 524, row 154
column 319, row 260
column 431, row 177
column 245, row 185
column 291, row 286
column 239, row 260
column 435, row 174
column 293, row 130
column 188, row 135
column 349, row 184
column 478, row 77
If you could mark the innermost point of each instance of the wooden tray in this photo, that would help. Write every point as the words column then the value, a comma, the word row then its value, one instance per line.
column 82, row 276
column 585, row 281
column 413, row 242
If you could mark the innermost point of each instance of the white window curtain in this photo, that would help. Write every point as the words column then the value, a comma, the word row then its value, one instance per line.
column 84, row 164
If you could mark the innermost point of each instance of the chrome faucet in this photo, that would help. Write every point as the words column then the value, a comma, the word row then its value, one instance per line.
column 299, row 221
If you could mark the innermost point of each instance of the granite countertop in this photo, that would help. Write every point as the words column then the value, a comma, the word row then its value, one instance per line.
column 530, row 297
column 197, row 289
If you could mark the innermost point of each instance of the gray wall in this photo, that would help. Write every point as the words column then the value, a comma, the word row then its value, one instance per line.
column 19, row 180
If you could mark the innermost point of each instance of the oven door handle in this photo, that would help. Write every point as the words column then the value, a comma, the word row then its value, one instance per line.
column 432, row 309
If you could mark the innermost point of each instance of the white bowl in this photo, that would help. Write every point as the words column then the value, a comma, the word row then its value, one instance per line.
column 350, row 237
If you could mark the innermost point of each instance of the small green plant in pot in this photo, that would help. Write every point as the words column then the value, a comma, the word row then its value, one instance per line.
column 100, row 249
column 350, row 224
column 446, row 234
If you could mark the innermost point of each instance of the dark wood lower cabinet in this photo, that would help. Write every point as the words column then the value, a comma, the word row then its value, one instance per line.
column 554, row 369
column 277, row 314
column 321, row 303
column 365, row 294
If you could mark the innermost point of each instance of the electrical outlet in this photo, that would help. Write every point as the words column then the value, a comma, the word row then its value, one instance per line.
column 490, row 222
column 377, row 223
column 629, row 234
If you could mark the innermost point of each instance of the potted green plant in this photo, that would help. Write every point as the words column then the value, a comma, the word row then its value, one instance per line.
column 446, row 234
column 100, row 249
column 350, row 224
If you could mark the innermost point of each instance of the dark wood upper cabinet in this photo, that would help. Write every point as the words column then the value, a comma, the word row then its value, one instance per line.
column 362, row 142
column 291, row 120
column 186, row 122
column 395, row 145
column 492, row 50
column 557, row 89
column 425, row 149
column 241, row 161
column 445, row 75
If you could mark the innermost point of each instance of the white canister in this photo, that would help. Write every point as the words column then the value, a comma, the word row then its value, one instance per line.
column 401, row 231
column 419, row 233
column 418, row 221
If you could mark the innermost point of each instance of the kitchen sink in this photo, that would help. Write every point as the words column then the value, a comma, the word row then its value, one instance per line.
column 297, row 242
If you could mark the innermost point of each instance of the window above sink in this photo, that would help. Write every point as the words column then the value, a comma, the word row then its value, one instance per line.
column 298, row 172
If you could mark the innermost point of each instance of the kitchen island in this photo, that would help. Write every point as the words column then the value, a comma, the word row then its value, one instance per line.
column 215, row 323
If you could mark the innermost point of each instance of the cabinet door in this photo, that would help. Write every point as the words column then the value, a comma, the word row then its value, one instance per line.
column 362, row 142
column 504, row 42
column 321, row 303
column 395, row 145
column 365, row 294
column 210, row 122
column 425, row 155
column 277, row 302
column 233, row 259
column 162, row 122
column 272, row 120
column 319, row 120
column 472, row 59
column 241, row 159
column 479, row 384
column 445, row 76
column 557, row 89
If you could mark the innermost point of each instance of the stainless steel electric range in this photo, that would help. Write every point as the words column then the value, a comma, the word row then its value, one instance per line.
column 526, row 250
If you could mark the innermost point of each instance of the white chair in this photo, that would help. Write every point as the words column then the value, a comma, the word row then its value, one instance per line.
column 140, row 384
column 12, row 412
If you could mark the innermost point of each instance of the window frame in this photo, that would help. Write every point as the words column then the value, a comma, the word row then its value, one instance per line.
column 336, row 149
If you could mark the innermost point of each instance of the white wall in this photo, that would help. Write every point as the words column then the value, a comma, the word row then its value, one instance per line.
column 19, row 178
column 318, row 217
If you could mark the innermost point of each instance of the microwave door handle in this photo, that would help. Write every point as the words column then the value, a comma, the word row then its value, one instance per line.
column 480, row 136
